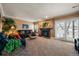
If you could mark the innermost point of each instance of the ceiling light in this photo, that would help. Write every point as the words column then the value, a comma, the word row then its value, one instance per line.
column 46, row 17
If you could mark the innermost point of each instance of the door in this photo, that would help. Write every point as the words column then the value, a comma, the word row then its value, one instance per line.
column 59, row 29
column 67, row 29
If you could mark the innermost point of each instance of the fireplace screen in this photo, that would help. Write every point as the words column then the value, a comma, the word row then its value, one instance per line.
column 45, row 32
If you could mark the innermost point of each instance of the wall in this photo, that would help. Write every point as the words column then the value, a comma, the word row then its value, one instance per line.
column 67, row 16
column 20, row 22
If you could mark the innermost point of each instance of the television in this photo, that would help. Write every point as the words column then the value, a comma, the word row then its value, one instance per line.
column 25, row 26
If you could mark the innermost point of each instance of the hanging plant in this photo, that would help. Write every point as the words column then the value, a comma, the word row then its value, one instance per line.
column 9, row 21
column 5, row 28
column 7, row 24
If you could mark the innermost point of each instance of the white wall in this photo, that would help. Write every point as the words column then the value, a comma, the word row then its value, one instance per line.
column 1, row 10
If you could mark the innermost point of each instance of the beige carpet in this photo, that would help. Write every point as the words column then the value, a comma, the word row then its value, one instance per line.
column 46, row 47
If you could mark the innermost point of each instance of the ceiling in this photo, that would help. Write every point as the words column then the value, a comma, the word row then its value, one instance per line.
column 36, row 11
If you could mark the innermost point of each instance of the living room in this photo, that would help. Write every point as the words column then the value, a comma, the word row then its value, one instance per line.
column 46, row 27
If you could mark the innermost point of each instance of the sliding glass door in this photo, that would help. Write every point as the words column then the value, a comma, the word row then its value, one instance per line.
column 67, row 29
column 76, row 28
column 59, row 29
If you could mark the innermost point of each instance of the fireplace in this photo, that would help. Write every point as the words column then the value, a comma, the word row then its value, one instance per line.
column 45, row 32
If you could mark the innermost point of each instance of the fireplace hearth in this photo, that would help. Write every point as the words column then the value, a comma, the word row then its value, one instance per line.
column 45, row 32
